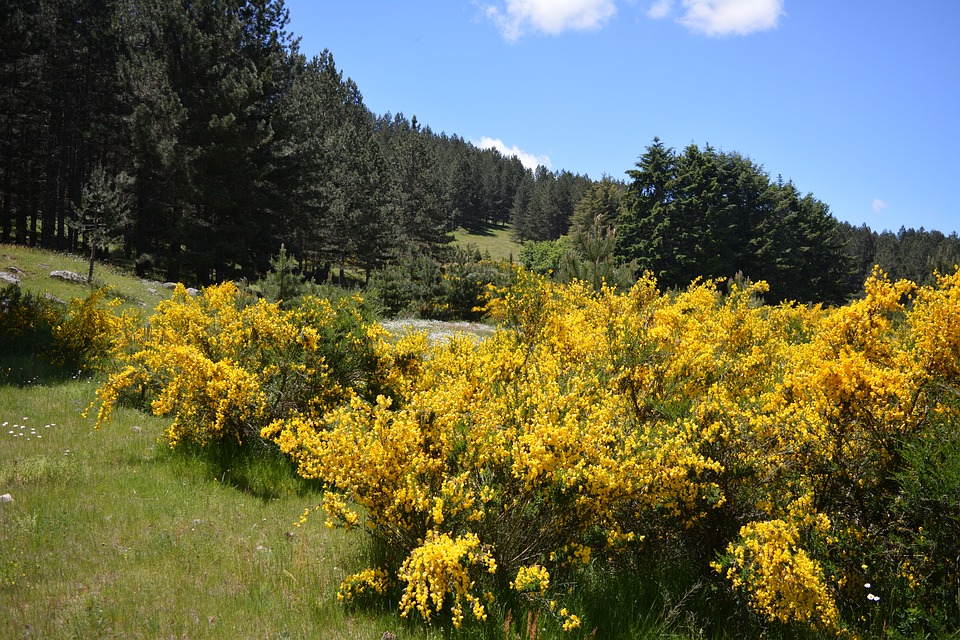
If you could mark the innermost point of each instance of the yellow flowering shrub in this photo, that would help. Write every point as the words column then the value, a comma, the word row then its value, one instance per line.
column 597, row 424
column 86, row 335
column 779, row 450
column 358, row 586
column 224, row 369
column 80, row 335
column 782, row 581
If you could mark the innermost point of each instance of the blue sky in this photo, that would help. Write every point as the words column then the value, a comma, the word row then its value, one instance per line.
column 855, row 101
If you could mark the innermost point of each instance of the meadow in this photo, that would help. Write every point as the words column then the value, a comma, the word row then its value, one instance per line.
column 112, row 535
column 493, row 240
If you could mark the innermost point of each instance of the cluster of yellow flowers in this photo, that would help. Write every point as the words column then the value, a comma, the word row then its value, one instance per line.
column 224, row 369
column 533, row 578
column 591, row 425
column 441, row 568
column 366, row 582
column 781, row 579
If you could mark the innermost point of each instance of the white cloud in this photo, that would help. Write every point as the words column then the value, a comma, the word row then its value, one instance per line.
column 517, row 17
column 660, row 9
column 878, row 205
column 725, row 17
column 528, row 160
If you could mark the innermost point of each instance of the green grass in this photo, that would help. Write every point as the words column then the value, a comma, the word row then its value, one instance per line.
column 112, row 535
column 496, row 241
column 33, row 267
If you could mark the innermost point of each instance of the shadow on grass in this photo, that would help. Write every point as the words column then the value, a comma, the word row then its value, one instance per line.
column 254, row 467
column 486, row 230
column 24, row 369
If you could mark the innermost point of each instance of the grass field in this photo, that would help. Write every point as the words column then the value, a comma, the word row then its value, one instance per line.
column 493, row 240
column 111, row 535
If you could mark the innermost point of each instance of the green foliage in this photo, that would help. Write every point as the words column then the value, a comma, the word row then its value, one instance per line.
column 923, row 518
column 592, row 259
column 408, row 287
column 103, row 212
column 544, row 257
column 912, row 254
column 601, row 206
column 545, row 209
column 282, row 284
column 27, row 321
column 704, row 213
column 423, row 287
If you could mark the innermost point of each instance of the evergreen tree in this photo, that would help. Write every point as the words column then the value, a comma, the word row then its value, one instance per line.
column 711, row 214
column 645, row 232
column 103, row 212
column 59, row 112
column 203, row 79
column 603, row 201
column 466, row 192
column 421, row 214
column 312, row 123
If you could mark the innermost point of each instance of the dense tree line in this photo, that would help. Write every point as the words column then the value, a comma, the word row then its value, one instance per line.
column 227, row 141
column 912, row 254
column 197, row 139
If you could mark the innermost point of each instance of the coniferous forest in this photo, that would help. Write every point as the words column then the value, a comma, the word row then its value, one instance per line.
column 193, row 140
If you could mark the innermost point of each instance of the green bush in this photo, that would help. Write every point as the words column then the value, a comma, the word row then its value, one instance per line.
column 423, row 287
column 544, row 257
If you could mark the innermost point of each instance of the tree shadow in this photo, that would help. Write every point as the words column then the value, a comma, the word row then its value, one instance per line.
column 253, row 467
column 25, row 369
column 485, row 229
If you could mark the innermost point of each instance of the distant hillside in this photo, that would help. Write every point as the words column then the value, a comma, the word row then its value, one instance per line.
column 497, row 241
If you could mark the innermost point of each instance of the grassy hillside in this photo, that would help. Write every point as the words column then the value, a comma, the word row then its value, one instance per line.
column 496, row 241
column 33, row 266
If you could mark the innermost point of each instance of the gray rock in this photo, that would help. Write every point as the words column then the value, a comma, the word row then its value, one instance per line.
column 69, row 276
column 169, row 285
column 9, row 278
column 192, row 292
column 6, row 498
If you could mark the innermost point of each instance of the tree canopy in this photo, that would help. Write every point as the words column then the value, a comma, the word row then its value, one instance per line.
column 707, row 213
